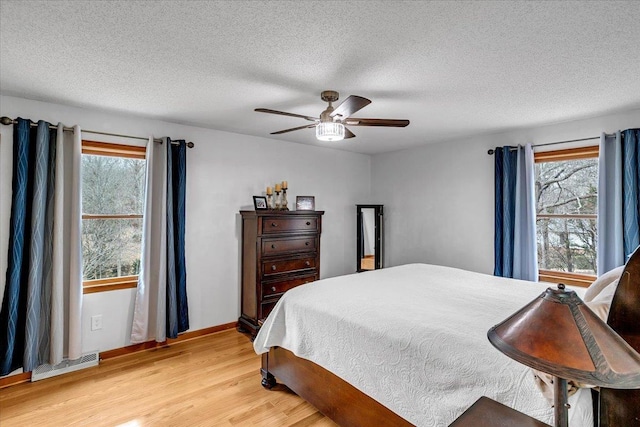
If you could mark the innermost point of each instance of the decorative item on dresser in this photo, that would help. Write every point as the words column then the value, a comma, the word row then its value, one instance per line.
column 260, row 203
column 270, row 202
column 276, row 202
column 280, row 250
column 305, row 203
column 284, row 202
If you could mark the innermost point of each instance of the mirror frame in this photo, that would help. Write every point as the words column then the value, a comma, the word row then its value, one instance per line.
column 378, row 236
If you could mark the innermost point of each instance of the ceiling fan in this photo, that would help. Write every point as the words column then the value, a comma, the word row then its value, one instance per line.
column 331, row 125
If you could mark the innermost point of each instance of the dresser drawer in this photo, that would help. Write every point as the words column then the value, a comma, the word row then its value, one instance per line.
column 272, row 288
column 294, row 244
column 288, row 265
column 265, row 308
column 272, row 225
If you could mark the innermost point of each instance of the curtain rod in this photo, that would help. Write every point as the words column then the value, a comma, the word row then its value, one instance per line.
column 9, row 121
column 491, row 151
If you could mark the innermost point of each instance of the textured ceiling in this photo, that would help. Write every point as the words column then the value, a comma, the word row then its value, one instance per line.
column 453, row 68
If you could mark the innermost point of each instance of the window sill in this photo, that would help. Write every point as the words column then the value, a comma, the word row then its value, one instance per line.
column 573, row 279
column 104, row 285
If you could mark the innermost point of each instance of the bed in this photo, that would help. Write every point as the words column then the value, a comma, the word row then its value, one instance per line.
column 407, row 346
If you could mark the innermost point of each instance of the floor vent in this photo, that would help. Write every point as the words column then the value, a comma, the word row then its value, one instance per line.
column 47, row 371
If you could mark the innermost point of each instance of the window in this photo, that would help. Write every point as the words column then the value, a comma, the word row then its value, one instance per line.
column 112, row 205
column 566, row 208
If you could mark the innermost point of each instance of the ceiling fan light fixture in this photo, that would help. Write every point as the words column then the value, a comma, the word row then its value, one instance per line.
column 330, row 131
column 330, row 126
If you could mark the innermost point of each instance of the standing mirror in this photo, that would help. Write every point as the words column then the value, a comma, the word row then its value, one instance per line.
column 369, row 241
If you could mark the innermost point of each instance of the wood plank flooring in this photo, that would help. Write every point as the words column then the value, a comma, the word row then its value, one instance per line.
column 209, row 381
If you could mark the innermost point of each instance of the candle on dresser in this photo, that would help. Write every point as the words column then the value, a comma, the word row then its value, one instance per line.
column 278, row 188
column 285, row 185
column 269, row 191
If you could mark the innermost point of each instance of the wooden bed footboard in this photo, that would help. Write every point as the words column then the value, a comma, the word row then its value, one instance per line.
column 334, row 397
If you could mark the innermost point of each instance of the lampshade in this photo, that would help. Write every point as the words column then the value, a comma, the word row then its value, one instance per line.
column 330, row 131
column 558, row 334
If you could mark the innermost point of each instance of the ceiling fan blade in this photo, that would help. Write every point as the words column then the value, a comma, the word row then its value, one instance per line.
column 282, row 113
column 348, row 134
column 292, row 129
column 376, row 122
column 349, row 106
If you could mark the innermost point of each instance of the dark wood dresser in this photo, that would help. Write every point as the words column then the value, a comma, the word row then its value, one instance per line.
column 280, row 250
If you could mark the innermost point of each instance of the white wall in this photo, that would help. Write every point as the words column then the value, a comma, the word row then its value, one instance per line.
column 224, row 171
column 439, row 199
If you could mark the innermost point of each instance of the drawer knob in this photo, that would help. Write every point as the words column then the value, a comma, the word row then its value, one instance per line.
column 273, row 289
column 273, row 224
column 273, row 246
column 306, row 243
column 308, row 223
column 274, row 268
column 307, row 263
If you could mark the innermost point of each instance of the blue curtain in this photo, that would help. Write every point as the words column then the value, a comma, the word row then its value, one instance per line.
column 177, row 306
column 26, row 307
column 515, row 250
column 630, row 190
column 505, row 192
column 618, row 204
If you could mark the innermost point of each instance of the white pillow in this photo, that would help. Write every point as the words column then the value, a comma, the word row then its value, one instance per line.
column 602, row 282
column 601, row 304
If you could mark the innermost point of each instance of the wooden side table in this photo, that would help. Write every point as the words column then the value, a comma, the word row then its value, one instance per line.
column 489, row 413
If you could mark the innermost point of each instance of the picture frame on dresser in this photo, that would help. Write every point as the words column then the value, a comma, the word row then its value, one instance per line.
column 260, row 203
column 305, row 203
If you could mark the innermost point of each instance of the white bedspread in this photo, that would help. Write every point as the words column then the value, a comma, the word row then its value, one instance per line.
column 414, row 338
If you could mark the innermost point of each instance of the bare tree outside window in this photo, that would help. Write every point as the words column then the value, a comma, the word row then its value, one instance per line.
column 566, row 207
column 112, row 202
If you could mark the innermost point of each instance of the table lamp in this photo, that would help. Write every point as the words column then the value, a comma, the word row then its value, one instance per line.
column 558, row 334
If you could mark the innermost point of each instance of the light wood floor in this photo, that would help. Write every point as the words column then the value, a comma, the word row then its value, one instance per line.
column 208, row 381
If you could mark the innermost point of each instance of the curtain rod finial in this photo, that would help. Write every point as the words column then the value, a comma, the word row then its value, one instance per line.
column 6, row 121
column 190, row 144
column 490, row 152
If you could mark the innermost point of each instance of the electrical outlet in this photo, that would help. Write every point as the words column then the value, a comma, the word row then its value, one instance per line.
column 96, row 322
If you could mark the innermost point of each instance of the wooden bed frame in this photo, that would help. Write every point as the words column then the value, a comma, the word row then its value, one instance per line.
column 348, row 406
column 622, row 407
